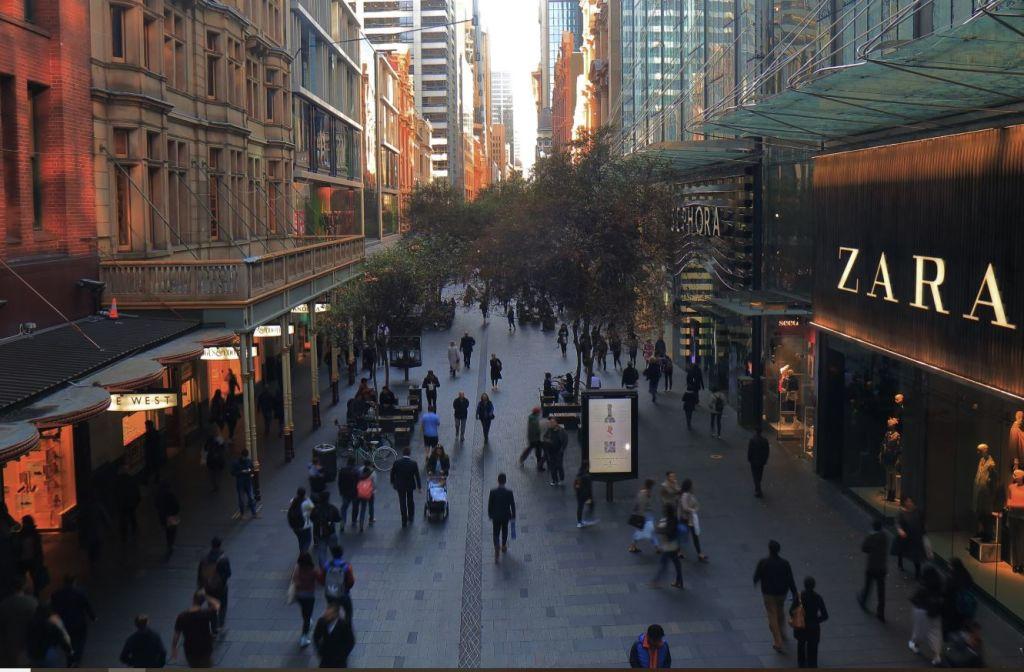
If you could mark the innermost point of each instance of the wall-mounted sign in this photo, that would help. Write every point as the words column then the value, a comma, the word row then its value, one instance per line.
column 220, row 354
column 142, row 401
column 698, row 219
column 271, row 330
column 303, row 308
column 609, row 420
column 790, row 322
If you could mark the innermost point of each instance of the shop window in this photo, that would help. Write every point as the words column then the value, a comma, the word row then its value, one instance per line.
column 41, row 483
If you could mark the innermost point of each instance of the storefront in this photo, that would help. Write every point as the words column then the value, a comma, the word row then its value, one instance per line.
column 919, row 306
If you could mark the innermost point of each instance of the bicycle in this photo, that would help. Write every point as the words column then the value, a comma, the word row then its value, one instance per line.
column 382, row 457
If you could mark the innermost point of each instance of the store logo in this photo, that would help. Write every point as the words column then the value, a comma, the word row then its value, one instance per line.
column 698, row 219
column 129, row 403
column 223, row 353
column 929, row 275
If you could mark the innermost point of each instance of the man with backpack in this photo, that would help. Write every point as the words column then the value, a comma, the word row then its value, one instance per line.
column 325, row 518
column 212, row 577
column 338, row 579
column 348, row 477
column 717, row 409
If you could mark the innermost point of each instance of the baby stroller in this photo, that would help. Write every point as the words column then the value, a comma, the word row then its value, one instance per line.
column 436, row 507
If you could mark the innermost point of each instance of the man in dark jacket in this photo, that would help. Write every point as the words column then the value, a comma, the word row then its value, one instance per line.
column 653, row 374
column 757, row 456
column 333, row 637
column 650, row 650
column 776, row 578
column 630, row 376
column 153, row 451
column 126, row 494
column 584, row 486
column 466, row 344
column 212, row 576
column 501, row 509
column 143, row 648
column 461, row 407
column 556, row 439
column 876, row 546
column 430, row 385
column 694, row 378
column 348, row 478
column 74, row 608
column 405, row 477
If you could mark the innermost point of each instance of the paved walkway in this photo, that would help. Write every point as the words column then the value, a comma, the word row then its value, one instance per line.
column 430, row 595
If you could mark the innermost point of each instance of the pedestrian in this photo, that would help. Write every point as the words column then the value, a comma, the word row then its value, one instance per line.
column 279, row 411
column 485, row 414
column 143, row 648
column 153, row 452
column 556, row 440
column 460, row 405
column 243, row 470
column 430, row 385
column 501, row 509
column 630, row 376
column 325, row 518
column 666, row 371
column 231, row 415
column 212, row 578
column 466, row 345
column 959, row 605
column 717, row 407
column 92, row 521
column 454, row 363
column 17, row 612
column 510, row 313
column 333, row 638
column 495, row 371
column 583, row 485
column 757, row 456
column 127, row 498
column 690, row 400
column 670, row 489
column 533, row 441
column 265, row 402
column 348, row 478
column 563, row 342
column 653, row 373
column 689, row 513
column 806, row 617
column 775, row 576
column 668, row 530
column 569, row 392
column 876, row 547
column 650, row 650
column 31, row 560
column 315, row 473
column 338, row 580
column 601, row 352
column 926, row 613
column 298, row 515
column 217, row 410
column 303, row 590
column 631, row 346
column 439, row 464
column 75, row 611
column 168, row 512
column 405, row 476
column 366, row 492
column 216, row 458
column 196, row 628
column 431, row 423
column 648, row 350
column 615, row 345
column 694, row 377
column 388, row 400
column 47, row 642
column 642, row 517
column 232, row 382
column 909, row 541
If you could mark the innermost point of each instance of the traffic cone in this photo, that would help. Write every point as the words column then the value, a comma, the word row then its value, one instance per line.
column 112, row 313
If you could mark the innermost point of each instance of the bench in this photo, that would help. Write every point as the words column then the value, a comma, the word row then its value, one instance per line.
column 403, row 436
column 388, row 423
column 548, row 409
column 567, row 420
column 414, row 411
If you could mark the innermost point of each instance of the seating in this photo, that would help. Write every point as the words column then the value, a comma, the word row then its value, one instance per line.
column 414, row 411
column 548, row 409
column 567, row 420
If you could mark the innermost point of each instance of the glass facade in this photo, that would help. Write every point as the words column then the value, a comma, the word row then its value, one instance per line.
column 325, row 144
column 563, row 15
column 789, row 221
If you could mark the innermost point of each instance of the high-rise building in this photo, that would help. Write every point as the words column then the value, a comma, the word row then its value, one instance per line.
column 428, row 30
column 502, row 108
column 556, row 17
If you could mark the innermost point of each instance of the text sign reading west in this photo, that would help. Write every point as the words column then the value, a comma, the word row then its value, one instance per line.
column 142, row 401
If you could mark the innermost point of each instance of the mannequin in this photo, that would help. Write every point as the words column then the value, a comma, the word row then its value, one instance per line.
column 892, row 448
column 984, row 486
column 1017, row 440
column 897, row 411
column 1015, row 519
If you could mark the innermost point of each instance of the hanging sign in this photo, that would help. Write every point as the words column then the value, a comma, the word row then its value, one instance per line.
column 142, row 401
column 303, row 308
column 271, row 330
column 223, row 353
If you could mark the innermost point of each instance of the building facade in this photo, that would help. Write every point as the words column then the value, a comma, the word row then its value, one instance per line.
column 556, row 17
column 428, row 30
column 503, row 109
column 413, row 133
column 326, row 81
column 602, row 47
column 388, row 145
column 568, row 69
column 47, row 207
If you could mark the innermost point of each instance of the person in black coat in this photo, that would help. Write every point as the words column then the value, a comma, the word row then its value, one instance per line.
column 460, row 406
column 496, row 367
column 485, row 414
column 808, row 637
column 775, row 575
column 333, row 637
column 143, row 648
column 348, row 479
column 153, row 452
column 630, row 376
column 584, row 486
column 405, row 477
column 126, row 494
column 876, row 546
column 757, row 456
column 466, row 345
column 74, row 608
column 909, row 542
column 501, row 509
column 653, row 374
column 690, row 400
column 694, row 378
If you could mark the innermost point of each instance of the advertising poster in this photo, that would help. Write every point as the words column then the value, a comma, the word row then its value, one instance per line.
column 609, row 444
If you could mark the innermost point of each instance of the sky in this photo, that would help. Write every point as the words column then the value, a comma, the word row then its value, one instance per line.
column 515, row 48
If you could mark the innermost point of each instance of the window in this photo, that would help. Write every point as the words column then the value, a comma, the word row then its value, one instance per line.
column 252, row 88
column 214, row 180
column 273, row 185
column 180, row 206
column 175, row 54
column 117, row 31
column 30, row 10
column 148, row 44
column 9, row 155
column 236, row 76
column 212, row 63
column 235, row 185
column 123, row 211
column 121, row 137
column 254, row 190
column 38, row 124
column 271, row 80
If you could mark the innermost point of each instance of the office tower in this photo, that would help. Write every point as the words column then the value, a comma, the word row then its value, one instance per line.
column 502, row 110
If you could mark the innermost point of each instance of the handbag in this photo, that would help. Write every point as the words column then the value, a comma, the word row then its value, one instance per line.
column 637, row 521
column 798, row 617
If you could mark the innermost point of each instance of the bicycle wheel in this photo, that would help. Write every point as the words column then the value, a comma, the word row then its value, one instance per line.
column 384, row 458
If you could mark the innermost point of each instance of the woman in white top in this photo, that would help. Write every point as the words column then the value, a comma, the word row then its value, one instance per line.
column 688, row 506
column 454, row 362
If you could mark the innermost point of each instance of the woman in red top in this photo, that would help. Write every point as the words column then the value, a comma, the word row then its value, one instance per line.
column 303, row 588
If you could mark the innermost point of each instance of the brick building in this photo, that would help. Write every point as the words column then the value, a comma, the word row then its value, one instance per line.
column 568, row 68
column 47, row 213
column 413, row 131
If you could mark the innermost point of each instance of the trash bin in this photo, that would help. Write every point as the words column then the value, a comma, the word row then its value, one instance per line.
column 328, row 456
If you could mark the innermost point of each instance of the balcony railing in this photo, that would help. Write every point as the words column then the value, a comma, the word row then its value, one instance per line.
column 186, row 281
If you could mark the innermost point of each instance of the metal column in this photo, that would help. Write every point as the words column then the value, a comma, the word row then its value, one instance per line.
column 286, row 386
column 249, row 408
column 314, row 365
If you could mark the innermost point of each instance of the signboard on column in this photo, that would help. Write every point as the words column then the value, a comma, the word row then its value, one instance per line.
column 609, row 425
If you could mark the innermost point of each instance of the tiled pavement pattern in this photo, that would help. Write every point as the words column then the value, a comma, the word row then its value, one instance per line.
column 562, row 596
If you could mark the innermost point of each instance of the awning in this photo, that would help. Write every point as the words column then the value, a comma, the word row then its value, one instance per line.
column 191, row 346
column 130, row 374
column 691, row 154
column 16, row 439
column 66, row 407
column 762, row 303
column 973, row 67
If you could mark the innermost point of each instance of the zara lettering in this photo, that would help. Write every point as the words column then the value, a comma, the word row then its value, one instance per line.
column 929, row 274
